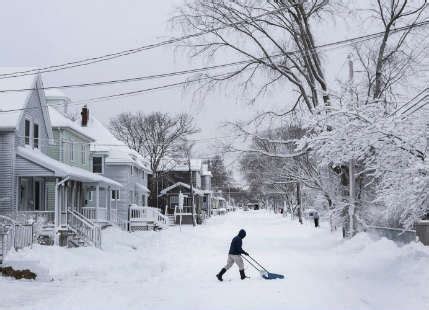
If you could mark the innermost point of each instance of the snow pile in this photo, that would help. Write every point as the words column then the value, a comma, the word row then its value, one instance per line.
column 176, row 269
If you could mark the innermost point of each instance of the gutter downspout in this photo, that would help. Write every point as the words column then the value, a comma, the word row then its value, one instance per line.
column 57, row 207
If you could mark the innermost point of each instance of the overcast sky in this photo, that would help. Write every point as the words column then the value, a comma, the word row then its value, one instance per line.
column 39, row 33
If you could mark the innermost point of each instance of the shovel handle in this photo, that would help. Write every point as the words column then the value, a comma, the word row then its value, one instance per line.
column 258, row 263
column 250, row 263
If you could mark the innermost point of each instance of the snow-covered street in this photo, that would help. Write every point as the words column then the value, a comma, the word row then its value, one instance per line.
column 176, row 270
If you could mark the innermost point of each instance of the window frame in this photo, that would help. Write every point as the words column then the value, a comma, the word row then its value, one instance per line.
column 83, row 154
column 117, row 195
column 102, row 164
column 36, row 143
column 89, row 195
column 71, row 150
column 27, row 139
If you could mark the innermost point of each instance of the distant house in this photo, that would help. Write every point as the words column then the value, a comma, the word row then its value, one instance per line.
column 175, row 178
column 113, row 159
column 33, row 185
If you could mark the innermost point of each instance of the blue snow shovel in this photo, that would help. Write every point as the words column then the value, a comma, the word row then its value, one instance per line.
column 263, row 271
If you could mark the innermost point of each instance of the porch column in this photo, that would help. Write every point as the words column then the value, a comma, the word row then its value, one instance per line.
column 78, row 199
column 18, row 182
column 73, row 193
column 66, row 190
column 97, row 201
column 108, row 203
column 56, row 208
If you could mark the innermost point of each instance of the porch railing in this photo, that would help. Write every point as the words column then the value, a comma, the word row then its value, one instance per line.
column 43, row 217
column 147, row 215
column 14, row 235
column 89, row 212
column 95, row 214
column 86, row 229
column 186, row 210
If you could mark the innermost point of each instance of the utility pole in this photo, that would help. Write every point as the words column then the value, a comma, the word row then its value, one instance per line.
column 299, row 201
column 351, row 209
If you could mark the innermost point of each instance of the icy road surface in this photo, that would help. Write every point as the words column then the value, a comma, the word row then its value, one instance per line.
column 176, row 270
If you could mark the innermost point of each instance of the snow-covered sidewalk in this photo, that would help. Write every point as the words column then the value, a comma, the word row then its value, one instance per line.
column 176, row 270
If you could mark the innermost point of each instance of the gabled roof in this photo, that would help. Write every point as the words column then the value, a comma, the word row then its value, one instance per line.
column 13, row 103
column 63, row 170
column 142, row 188
column 187, row 186
column 59, row 120
column 105, row 141
column 180, row 164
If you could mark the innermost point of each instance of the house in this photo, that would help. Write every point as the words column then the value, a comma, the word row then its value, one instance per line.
column 34, row 186
column 111, row 158
column 175, row 178
column 72, row 146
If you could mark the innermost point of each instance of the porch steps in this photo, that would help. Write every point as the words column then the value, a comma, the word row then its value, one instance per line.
column 171, row 220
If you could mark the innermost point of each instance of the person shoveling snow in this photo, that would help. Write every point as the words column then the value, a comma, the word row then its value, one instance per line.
column 234, row 255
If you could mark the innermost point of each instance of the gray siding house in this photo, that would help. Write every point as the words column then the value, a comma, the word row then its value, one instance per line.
column 113, row 159
column 29, row 175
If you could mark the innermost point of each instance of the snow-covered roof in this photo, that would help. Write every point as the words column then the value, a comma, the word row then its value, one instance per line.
column 167, row 189
column 63, row 170
column 105, row 141
column 180, row 164
column 59, row 120
column 14, row 100
column 142, row 188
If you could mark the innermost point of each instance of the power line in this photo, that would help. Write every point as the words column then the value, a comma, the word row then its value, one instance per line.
column 207, row 68
column 58, row 141
column 128, row 80
column 106, row 57
column 130, row 93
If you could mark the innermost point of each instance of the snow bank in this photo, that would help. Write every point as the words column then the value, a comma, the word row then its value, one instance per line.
column 175, row 269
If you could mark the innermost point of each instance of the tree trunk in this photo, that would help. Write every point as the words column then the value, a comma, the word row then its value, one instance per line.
column 192, row 196
column 298, row 199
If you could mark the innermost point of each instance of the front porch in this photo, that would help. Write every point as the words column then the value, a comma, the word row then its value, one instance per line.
column 189, row 213
column 53, row 195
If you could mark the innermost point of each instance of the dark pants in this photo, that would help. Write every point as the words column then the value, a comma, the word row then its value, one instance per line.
column 316, row 222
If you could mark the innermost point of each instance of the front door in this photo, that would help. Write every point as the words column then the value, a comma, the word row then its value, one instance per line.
column 25, row 191
column 37, row 196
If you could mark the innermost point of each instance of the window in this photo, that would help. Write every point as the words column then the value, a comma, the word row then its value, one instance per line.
column 143, row 200
column 143, row 174
column 115, row 195
column 27, row 132
column 131, row 197
column 71, row 151
column 36, row 136
column 89, row 193
column 97, row 164
column 131, row 170
column 83, row 153
column 174, row 199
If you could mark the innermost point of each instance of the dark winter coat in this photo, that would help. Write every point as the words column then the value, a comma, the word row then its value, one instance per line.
column 236, row 244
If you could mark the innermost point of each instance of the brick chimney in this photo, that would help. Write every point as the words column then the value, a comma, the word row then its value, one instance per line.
column 85, row 116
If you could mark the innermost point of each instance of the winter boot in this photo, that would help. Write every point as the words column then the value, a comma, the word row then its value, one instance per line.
column 242, row 275
column 220, row 274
